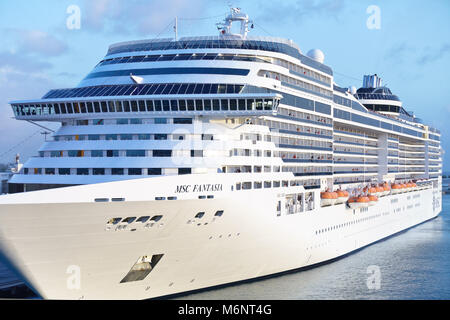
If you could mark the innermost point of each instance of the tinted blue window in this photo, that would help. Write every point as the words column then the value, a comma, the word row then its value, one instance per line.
column 160, row 89
column 190, row 89
column 135, row 153
column 156, row 71
column 183, row 89
column 162, row 153
column 323, row 108
column 167, row 89
column 386, row 125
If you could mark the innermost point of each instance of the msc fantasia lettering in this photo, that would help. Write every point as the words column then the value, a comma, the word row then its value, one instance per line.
column 184, row 188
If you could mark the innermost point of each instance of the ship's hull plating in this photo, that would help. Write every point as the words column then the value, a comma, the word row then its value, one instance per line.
column 64, row 251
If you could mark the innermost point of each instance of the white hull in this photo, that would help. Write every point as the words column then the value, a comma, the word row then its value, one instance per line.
column 43, row 240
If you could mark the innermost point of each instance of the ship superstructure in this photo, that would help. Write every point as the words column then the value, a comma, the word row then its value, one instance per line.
column 216, row 159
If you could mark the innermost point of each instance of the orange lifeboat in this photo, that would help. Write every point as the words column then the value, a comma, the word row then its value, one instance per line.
column 363, row 201
column 353, row 202
column 342, row 196
column 380, row 191
column 405, row 187
column 409, row 186
column 373, row 200
column 396, row 188
column 373, row 191
column 328, row 198
column 414, row 185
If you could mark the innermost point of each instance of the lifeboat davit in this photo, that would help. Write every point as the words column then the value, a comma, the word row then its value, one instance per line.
column 373, row 200
column 387, row 189
column 363, row 201
column 342, row 196
column 328, row 198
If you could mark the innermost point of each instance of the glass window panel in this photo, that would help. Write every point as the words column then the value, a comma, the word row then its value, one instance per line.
column 157, row 105
column 135, row 153
column 207, row 105
column 96, row 107
column 111, row 106
column 154, row 171
column 224, row 104
column 117, row 171
column 221, row 88
column 166, row 105
column 167, row 57
column 198, row 88
column 251, row 105
column 182, row 56
column 56, row 107
column 160, row 89
column 173, row 105
column 214, row 88
column 199, row 105
column 230, row 88
column 134, row 106
column 175, row 88
column 98, row 171
column 206, row 88
column 241, row 104
column 136, row 121
column 104, row 107
column 149, row 105
column 183, row 88
column 141, row 105
column 167, row 89
column 126, row 106
column 182, row 105
column 69, row 108
column 190, row 88
column 151, row 58
column 233, row 104
column 119, row 107
column 111, row 137
column 216, row 105
column 190, row 105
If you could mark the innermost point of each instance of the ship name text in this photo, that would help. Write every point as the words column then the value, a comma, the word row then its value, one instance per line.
column 186, row 188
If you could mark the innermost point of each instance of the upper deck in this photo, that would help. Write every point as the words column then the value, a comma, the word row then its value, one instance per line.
column 269, row 44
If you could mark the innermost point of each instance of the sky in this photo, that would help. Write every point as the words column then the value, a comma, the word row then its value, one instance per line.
column 45, row 46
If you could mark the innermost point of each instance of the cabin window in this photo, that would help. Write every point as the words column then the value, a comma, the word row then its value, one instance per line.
column 156, row 218
column 98, row 171
column 199, row 215
column 143, row 219
column 128, row 220
column 154, row 171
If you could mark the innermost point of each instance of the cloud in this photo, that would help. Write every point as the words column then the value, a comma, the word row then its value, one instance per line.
column 22, row 63
column 301, row 10
column 21, row 77
column 399, row 52
column 135, row 16
column 37, row 42
column 432, row 55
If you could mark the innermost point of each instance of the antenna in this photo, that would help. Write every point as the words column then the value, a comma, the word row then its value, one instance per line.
column 175, row 28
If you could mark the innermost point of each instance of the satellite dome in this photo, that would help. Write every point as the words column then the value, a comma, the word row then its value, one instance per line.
column 352, row 90
column 316, row 55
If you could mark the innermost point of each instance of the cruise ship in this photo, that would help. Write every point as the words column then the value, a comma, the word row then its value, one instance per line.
column 184, row 164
